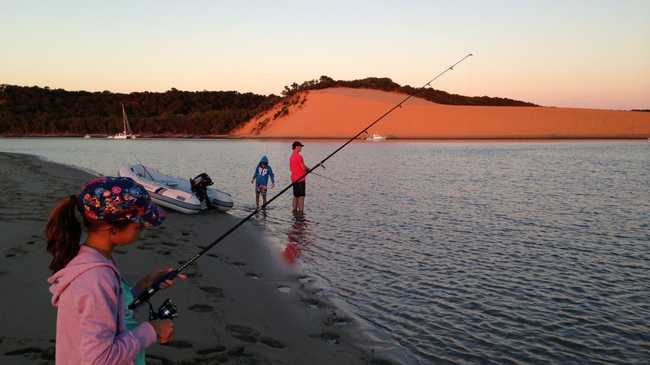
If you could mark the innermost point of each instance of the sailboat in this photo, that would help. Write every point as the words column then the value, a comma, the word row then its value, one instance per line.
column 126, row 133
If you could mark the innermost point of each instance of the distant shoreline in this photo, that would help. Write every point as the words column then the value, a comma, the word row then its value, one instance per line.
column 229, row 137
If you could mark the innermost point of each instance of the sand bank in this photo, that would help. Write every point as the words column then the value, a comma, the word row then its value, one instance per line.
column 239, row 305
column 342, row 112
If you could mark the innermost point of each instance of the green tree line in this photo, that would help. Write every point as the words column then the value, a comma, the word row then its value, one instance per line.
column 36, row 110
column 42, row 111
column 386, row 84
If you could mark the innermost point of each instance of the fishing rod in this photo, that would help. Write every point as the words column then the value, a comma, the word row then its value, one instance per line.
column 145, row 295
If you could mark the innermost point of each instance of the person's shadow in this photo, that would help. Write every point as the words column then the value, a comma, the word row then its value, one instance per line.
column 298, row 238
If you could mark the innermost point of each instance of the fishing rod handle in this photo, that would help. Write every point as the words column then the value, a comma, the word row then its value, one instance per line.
column 146, row 294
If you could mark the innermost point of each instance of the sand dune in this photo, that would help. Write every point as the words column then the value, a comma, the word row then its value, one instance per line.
column 341, row 112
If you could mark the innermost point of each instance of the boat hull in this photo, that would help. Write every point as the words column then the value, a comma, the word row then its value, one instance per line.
column 173, row 192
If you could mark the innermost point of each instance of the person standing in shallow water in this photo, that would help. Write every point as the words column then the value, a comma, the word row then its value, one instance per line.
column 94, row 325
column 298, row 169
column 263, row 172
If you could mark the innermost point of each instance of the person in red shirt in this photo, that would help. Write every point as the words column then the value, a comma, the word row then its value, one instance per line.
column 298, row 169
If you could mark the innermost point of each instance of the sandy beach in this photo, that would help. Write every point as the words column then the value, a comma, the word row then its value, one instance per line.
column 343, row 112
column 239, row 306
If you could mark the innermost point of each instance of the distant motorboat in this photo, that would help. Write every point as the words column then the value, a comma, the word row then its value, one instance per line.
column 375, row 137
column 126, row 133
column 87, row 136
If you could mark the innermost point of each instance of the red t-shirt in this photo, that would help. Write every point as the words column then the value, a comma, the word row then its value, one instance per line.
column 295, row 164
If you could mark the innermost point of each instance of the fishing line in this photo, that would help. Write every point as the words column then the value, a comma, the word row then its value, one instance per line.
column 328, row 178
column 155, row 287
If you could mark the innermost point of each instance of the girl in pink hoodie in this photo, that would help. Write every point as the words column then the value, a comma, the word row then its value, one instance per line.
column 86, row 286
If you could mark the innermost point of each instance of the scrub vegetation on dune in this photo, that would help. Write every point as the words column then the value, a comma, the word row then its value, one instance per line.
column 33, row 111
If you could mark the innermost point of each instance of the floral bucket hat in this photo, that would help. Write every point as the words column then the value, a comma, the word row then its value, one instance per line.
column 113, row 199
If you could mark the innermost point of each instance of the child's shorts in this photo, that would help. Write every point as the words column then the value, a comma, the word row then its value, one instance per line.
column 261, row 189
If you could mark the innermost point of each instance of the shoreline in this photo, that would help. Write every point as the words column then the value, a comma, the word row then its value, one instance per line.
column 239, row 304
column 389, row 139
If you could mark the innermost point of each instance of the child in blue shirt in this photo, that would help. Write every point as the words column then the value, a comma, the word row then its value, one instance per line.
column 261, row 179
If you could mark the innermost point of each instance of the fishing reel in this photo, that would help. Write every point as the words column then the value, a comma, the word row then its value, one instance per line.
column 166, row 311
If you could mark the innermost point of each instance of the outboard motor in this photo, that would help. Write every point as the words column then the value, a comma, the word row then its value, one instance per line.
column 200, row 187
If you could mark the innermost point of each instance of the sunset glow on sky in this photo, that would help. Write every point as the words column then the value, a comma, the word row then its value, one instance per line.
column 593, row 54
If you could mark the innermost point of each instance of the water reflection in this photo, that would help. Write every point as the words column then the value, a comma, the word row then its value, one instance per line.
column 298, row 237
column 482, row 252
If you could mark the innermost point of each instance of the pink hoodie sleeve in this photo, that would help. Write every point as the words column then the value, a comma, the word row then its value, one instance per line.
column 97, row 307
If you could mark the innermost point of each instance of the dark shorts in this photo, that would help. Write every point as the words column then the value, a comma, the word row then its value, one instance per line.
column 299, row 189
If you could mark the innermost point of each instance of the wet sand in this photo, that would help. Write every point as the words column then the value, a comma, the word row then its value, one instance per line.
column 343, row 112
column 240, row 305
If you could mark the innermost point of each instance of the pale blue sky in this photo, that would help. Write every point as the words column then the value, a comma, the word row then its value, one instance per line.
column 562, row 53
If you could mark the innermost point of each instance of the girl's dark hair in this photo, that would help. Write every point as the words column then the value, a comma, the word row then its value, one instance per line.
column 63, row 232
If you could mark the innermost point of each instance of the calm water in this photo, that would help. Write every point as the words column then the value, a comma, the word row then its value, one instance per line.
column 464, row 253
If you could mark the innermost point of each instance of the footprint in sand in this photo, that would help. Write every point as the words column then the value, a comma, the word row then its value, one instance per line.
column 246, row 334
column 313, row 303
column 218, row 292
column 236, row 351
column 253, row 275
column 284, row 289
column 178, row 344
column 24, row 351
column 380, row 362
column 328, row 337
column 272, row 342
column 334, row 320
column 237, row 263
column 170, row 244
column 211, row 350
column 213, row 255
column 305, row 280
column 201, row 308
column 45, row 354
column 30, row 242
column 164, row 252
column 15, row 251
column 155, row 359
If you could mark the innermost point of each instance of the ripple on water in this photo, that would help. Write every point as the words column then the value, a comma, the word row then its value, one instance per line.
column 522, row 253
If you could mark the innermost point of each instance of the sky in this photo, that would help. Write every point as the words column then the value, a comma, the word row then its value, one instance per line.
column 592, row 54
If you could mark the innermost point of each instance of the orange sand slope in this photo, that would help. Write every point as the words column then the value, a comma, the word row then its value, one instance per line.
column 342, row 112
